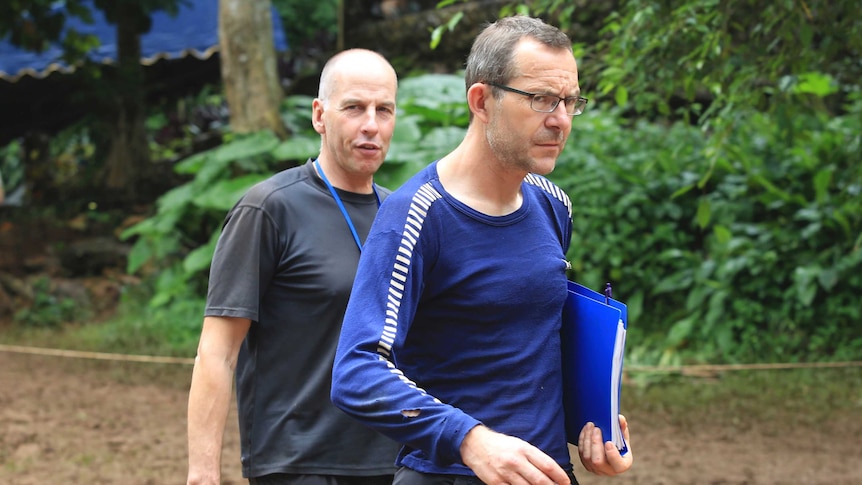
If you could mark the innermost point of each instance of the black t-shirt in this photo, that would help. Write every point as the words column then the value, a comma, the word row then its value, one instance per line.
column 286, row 260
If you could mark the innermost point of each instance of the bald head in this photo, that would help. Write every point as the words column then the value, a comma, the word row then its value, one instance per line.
column 354, row 114
column 350, row 62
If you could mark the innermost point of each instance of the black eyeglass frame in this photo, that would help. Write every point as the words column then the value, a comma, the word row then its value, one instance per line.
column 580, row 103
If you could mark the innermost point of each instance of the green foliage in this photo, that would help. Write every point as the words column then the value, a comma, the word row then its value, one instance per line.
column 174, row 126
column 560, row 10
column 171, row 330
column 135, row 328
column 761, row 263
column 12, row 166
column 303, row 21
column 175, row 245
column 706, row 61
column 192, row 213
column 32, row 25
column 432, row 117
column 719, row 56
column 437, row 33
column 739, row 240
column 50, row 170
column 48, row 310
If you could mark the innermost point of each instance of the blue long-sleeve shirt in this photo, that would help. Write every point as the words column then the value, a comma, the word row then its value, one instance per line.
column 454, row 320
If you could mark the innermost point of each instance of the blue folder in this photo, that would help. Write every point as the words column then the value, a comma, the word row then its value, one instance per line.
column 593, row 344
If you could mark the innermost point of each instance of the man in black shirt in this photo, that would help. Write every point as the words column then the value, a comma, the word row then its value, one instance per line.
column 280, row 280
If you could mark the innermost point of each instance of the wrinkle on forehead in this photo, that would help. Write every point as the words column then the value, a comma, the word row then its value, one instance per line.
column 546, row 69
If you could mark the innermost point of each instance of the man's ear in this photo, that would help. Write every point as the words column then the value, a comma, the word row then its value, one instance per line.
column 317, row 116
column 479, row 99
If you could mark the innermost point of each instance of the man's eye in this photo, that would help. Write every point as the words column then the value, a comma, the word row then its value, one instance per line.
column 571, row 102
column 541, row 100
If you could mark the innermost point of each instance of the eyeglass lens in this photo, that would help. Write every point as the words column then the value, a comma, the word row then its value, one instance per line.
column 548, row 104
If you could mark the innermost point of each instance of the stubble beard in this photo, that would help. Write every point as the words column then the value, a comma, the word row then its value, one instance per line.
column 506, row 148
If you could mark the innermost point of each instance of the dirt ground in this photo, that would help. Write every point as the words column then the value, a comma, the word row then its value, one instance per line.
column 77, row 421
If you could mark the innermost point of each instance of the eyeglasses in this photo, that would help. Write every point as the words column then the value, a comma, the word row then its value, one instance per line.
column 547, row 103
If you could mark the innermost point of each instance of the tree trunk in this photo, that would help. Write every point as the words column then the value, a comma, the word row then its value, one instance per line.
column 128, row 154
column 248, row 66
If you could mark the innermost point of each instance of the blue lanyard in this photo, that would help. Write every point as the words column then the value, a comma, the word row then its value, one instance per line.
column 341, row 204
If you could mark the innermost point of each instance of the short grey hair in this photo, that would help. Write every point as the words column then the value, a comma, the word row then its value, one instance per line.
column 491, row 57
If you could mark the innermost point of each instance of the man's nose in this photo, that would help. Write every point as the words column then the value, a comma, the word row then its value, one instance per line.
column 370, row 122
column 559, row 118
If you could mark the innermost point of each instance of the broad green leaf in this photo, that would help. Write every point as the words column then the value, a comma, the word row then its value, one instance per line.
column 621, row 96
column 704, row 213
column 674, row 282
column 140, row 253
column 245, row 146
column 222, row 195
column 433, row 89
column 176, row 198
column 696, row 297
column 446, row 3
column 722, row 233
column 804, row 278
column 679, row 332
column 453, row 22
column 200, row 258
column 816, row 83
column 298, row 148
column 822, row 180
column 192, row 164
column 441, row 141
column 436, row 36
column 828, row 278
column 407, row 129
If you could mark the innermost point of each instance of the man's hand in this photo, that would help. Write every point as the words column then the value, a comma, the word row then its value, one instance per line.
column 603, row 458
column 501, row 459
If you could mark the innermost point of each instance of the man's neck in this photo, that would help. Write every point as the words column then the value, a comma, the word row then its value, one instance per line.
column 477, row 180
column 359, row 184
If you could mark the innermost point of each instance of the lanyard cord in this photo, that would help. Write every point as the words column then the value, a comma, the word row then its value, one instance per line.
column 341, row 204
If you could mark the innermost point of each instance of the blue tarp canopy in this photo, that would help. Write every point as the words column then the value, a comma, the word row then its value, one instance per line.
column 192, row 32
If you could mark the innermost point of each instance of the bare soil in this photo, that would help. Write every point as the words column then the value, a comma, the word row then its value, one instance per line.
column 77, row 421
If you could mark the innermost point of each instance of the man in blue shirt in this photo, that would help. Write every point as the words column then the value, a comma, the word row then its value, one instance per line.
column 450, row 342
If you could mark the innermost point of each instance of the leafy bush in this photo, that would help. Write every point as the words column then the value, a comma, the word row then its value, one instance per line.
column 761, row 261
column 48, row 309
column 11, row 166
column 176, row 244
column 171, row 330
column 180, row 238
column 750, row 252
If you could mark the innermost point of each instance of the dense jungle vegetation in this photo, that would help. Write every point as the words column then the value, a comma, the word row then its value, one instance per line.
column 715, row 178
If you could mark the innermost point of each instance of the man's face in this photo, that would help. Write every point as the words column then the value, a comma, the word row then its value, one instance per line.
column 520, row 137
column 357, row 121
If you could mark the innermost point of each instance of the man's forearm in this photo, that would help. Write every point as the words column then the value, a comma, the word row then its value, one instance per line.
column 209, row 403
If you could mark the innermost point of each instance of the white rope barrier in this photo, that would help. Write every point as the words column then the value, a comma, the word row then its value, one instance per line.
column 695, row 369
column 95, row 355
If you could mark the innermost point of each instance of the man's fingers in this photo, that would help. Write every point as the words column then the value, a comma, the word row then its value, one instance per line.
column 498, row 459
column 597, row 450
column 584, row 439
column 624, row 427
column 602, row 457
column 546, row 470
